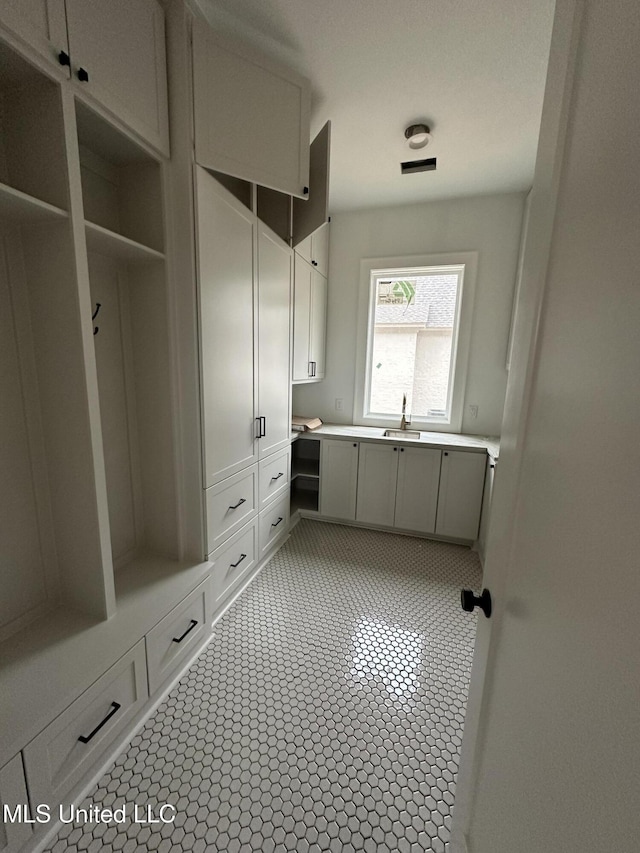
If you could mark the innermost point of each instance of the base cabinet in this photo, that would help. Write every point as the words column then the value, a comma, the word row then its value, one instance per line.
column 460, row 494
column 60, row 756
column 377, row 476
column 339, row 479
column 417, row 489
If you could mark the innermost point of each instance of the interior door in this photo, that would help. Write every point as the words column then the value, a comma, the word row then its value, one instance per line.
column 551, row 762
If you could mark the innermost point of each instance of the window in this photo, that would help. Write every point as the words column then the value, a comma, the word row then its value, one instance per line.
column 416, row 342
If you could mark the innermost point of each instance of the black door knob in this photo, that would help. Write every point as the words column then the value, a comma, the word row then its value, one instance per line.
column 469, row 601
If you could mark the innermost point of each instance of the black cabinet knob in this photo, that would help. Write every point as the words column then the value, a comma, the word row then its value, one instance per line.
column 83, row 75
column 64, row 58
column 469, row 601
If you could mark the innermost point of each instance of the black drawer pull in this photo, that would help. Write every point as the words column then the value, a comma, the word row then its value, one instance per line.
column 276, row 523
column 64, row 58
column 192, row 625
column 281, row 474
column 240, row 502
column 235, row 565
column 83, row 75
column 115, row 707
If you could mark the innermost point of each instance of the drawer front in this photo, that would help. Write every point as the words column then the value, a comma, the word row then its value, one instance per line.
column 230, row 504
column 57, row 759
column 274, row 524
column 275, row 474
column 13, row 793
column 233, row 561
column 178, row 635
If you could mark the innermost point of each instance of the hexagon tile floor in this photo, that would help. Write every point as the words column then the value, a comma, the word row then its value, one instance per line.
column 326, row 715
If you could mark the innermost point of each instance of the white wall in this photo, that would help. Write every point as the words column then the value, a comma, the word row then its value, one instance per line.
column 489, row 225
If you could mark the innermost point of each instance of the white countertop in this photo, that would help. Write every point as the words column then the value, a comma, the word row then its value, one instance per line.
column 489, row 444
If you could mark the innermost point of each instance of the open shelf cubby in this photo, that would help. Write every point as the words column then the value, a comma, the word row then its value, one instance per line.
column 32, row 147
column 122, row 199
column 305, row 474
column 121, row 184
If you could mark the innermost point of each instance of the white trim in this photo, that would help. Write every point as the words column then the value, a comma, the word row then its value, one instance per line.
column 462, row 335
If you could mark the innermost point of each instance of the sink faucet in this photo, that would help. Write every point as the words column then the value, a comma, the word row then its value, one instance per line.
column 404, row 422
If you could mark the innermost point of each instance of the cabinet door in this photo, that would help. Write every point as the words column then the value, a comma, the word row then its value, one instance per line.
column 320, row 249
column 301, row 320
column 225, row 245
column 460, row 494
column 275, row 260
column 318, row 324
column 251, row 114
column 417, row 489
column 377, row 474
column 40, row 23
column 339, row 479
column 121, row 46
column 309, row 215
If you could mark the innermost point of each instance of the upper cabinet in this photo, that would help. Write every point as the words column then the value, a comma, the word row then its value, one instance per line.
column 309, row 216
column 118, row 55
column 115, row 53
column 251, row 114
column 40, row 23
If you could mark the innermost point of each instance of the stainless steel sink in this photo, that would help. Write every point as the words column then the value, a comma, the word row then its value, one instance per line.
column 411, row 434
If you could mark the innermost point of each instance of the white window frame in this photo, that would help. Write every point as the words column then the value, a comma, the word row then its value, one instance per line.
column 461, row 340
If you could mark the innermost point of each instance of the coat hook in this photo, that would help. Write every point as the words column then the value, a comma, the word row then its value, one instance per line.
column 94, row 315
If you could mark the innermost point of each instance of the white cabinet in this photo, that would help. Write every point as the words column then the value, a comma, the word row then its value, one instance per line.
column 339, row 479
column 377, row 475
column 274, row 524
column 60, row 756
column 417, row 489
column 225, row 245
column 117, row 54
column 274, row 475
column 40, row 23
column 460, row 494
column 309, row 323
column 274, row 270
column 244, row 282
column 314, row 249
column 13, row 793
column 251, row 114
column 234, row 560
column 486, row 505
column 230, row 505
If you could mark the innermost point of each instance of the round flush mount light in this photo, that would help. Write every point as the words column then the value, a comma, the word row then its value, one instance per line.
column 418, row 135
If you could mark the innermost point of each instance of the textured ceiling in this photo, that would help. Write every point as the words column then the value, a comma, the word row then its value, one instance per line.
column 473, row 69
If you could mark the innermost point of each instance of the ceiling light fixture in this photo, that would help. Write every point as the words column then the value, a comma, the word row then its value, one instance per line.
column 418, row 135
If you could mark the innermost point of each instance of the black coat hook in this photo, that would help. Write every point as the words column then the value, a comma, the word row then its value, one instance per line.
column 94, row 315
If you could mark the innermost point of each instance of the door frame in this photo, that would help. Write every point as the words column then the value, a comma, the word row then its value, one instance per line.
column 537, row 246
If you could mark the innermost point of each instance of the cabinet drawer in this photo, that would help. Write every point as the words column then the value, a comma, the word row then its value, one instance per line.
column 274, row 477
column 233, row 561
column 230, row 504
column 58, row 758
column 179, row 634
column 13, row 792
column 274, row 524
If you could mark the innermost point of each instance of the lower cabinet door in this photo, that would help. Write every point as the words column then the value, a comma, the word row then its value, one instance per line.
column 60, row 756
column 377, row 475
column 339, row 479
column 417, row 489
column 274, row 524
column 233, row 560
column 13, row 796
column 179, row 634
column 460, row 494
